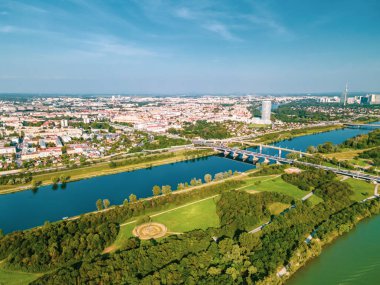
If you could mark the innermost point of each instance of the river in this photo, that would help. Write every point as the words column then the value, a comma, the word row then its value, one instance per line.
column 352, row 259
column 26, row 209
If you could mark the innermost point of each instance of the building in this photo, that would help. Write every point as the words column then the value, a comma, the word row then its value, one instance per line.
column 266, row 111
column 373, row 98
column 86, row 120
column 64, row 123
column 343, row 97
column 7, row 150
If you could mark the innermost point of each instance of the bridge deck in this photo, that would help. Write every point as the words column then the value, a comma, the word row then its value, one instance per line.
column 291, row 161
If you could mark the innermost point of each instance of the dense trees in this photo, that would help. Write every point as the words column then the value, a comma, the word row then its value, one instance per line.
column 13, row 179
column 203, row 129
column 241, row 210
column 269, row 170
column 308, row 179
column 373, row 154
column 228, row 255
column 56, row 244
column 363, row 141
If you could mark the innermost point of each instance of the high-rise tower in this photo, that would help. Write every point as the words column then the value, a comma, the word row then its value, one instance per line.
column 266, row 111
column 343, row 97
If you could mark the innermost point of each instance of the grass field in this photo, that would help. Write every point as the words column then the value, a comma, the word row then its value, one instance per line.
column 277, row 207
column 362, row 189
column 276, row 184
column 349, row 155
column 196, row 215
column 16, row 278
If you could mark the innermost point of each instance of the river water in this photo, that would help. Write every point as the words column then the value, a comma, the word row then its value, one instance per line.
column 26, row 209
column 352, row 259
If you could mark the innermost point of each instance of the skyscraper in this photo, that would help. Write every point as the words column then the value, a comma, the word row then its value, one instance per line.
column 343, row 97
column 266, row 111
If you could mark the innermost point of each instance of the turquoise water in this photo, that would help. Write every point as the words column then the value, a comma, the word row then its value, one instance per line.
column 352, row 259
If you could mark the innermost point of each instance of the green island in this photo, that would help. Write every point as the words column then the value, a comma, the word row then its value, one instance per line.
column 214, row 229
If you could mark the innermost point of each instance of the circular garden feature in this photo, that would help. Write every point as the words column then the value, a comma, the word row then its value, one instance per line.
column 150, row 230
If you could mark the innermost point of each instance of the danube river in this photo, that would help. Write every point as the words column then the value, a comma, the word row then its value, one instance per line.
column 26, row 209
column 352, row 259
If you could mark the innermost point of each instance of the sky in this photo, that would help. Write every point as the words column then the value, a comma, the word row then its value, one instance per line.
column 184, row 47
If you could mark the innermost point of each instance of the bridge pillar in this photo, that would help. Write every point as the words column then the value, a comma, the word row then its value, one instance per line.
column 300, row 155
column 261, row 148
column 279, row 152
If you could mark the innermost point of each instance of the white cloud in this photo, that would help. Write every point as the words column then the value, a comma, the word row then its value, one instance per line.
column 269, row 23
column 7, row 29
column 184, row 13
column 102, row 46
column 221, row 30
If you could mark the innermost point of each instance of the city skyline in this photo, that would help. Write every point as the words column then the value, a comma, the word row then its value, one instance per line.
column 188, row 47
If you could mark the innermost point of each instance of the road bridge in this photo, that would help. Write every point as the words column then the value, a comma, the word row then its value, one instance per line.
column 261, row 146
column 246, row 153
column 366, row 126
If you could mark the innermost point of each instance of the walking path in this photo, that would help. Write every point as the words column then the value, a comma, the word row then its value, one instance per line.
column 176, row 208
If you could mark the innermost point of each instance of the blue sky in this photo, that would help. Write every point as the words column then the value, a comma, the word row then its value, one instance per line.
column 120, row 46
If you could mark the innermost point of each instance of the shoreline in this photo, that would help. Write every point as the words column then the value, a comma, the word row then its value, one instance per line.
column 313, row 250
column 332, row 239
column 145, row 165
column 315, row 130
column 178, row 157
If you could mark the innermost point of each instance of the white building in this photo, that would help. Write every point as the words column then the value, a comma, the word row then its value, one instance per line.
column 7, row 150
column 64, row 123
column 374, row 98
column 266, row 112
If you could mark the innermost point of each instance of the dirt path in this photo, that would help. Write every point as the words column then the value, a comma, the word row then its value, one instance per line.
column 174, row 209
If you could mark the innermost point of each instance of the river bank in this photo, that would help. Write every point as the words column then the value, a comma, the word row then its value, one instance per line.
column 306, row 253
column 290, row 134
column 104, row 168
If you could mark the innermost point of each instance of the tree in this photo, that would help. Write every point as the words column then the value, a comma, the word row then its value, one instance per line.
column 208, row 178
column 55, row 180
column 99, row 204
column 193, row 182
column 167, row 189
column 106, row 203
column 36, row 183
column 156, row 190
column 1, row 233
column 132, row 198
column 64, row 149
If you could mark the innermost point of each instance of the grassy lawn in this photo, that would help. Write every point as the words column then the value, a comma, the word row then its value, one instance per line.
column 199, row 215
column 277, row 184
column 346, row 153
column 16, row 278
column 362, row 189
column 277, row 207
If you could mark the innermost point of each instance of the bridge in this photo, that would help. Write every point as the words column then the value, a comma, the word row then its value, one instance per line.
column 212, row 143
column 366, row 126
column 255, row 155
column 280, row 149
